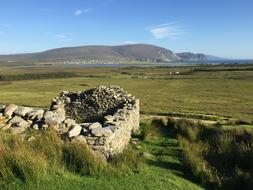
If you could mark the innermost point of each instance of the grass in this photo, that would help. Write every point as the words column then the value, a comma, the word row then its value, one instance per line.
column 201, row 93
column 219, row 157
column 81, row 170
column 155, row 161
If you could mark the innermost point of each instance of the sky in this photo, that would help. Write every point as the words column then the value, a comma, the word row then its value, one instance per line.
column 218, row 27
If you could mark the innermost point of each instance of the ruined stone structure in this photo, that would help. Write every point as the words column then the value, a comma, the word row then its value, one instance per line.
column 103, row 117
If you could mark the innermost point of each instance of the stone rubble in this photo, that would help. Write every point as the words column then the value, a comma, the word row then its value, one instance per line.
column 103, row 118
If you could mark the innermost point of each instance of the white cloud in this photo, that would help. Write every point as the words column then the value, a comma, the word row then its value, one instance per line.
column 168, row 30
column 80, row 11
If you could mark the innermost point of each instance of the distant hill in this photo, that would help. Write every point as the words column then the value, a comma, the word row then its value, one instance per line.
column 90, row 54
column 188, row 56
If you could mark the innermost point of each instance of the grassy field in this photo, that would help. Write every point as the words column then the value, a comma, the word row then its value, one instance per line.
column 215, row 90
column 204, row 92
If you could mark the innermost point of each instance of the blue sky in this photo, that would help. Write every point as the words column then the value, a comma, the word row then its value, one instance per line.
column 218, row 27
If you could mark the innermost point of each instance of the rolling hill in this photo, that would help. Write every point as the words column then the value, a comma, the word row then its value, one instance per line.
column 123, row 53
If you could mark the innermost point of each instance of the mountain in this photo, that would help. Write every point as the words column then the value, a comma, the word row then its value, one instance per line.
column 188, row 56
column 90, row 54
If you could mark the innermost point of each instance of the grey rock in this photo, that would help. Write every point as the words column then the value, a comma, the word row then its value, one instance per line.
column 101, row 132
column 18, row 122
column 74, row 131
column 38, row 114
column 94, row 126
column 9, row 110
column 52, row 118
column 70, row 122
column 22, row 111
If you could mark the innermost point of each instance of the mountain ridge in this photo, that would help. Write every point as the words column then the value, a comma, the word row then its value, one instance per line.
column 108, row 54
column 136, row 52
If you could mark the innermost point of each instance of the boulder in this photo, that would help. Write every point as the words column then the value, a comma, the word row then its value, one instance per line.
column 52, row 118
column 101, row 132
column 22, row 111
column 8, row 111
column 74, row 131
column 17, row 121
column 36, row 113
column 69, row 122
column 94, row 126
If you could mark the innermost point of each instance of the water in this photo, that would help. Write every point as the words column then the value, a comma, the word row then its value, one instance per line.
column 157, row 64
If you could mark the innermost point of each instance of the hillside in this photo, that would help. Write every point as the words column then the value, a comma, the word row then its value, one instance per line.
column 188, row 56
column 89, row 54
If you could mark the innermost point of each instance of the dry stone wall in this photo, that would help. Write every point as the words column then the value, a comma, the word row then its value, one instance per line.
column 103, row 117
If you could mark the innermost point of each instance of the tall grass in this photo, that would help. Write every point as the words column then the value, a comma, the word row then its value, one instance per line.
column 48, row 155
column 220, row 158
column 19, row 160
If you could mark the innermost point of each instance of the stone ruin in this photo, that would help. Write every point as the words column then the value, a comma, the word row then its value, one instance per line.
column 103, row 118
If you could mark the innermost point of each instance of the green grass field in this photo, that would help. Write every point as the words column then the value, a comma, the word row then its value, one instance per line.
column 216, row 92
column 211, row 91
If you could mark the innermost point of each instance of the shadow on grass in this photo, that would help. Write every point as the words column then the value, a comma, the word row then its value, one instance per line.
column 167, row 152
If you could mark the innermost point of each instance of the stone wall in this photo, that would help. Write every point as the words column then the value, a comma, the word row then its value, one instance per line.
column 103, row 117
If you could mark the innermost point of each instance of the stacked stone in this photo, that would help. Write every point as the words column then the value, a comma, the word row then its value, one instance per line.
column 102, row 117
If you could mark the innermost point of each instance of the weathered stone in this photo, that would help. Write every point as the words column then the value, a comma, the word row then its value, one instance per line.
column 115, row 108
column 94, row 126
column 9, row 110
column 48, row 114
column 17, row 121
column 75, row 131
column 101, row 132
column 22, row 111
column 52, row 118
column 69, row 122
column 36, row 114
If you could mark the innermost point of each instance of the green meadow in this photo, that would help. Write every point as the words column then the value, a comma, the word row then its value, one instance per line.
column 161, row 155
